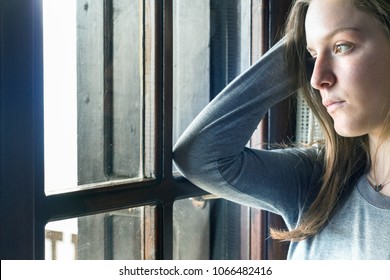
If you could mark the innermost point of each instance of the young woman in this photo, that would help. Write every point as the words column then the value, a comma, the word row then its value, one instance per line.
column 334, row 198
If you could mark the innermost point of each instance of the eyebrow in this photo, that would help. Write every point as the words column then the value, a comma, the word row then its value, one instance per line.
column 340, row 30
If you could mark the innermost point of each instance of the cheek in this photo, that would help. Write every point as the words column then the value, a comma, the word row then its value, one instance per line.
column 377, row 84
column 373, row 72
column 368, row 80
column 365, row 69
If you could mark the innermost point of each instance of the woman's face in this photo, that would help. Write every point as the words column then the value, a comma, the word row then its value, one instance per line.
column 352, row 66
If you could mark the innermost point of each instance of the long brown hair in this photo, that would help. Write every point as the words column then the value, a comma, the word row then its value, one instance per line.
column 344, row 159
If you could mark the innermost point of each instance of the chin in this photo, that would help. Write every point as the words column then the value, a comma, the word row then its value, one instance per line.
column 344, row 132
column 345, row 127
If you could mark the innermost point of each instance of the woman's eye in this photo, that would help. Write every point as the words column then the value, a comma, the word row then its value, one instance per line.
column 342, row 48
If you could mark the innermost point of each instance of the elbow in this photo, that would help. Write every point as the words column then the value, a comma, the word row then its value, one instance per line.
column 190, row 159
column 182, row 159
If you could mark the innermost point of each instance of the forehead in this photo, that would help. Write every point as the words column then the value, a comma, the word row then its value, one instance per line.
column 325, row 16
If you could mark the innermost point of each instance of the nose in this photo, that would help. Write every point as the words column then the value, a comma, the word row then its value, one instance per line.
column 322, row 76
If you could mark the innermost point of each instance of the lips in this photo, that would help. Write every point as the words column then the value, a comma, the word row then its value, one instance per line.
column 332, row 105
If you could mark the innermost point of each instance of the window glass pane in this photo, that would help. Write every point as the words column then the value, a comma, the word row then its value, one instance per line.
column 128, row 234
column 191, row 229
column 99, row 125
column 191, row 60
column 210, row 228
column 211, row 46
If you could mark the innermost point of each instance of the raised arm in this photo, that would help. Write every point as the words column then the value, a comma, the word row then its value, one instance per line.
column 212, row 152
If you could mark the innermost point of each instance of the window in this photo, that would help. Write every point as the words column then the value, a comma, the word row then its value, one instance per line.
column 105, row 92
column 98, row 119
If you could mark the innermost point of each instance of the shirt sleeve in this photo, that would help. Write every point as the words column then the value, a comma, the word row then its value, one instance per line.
column 212, row 152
